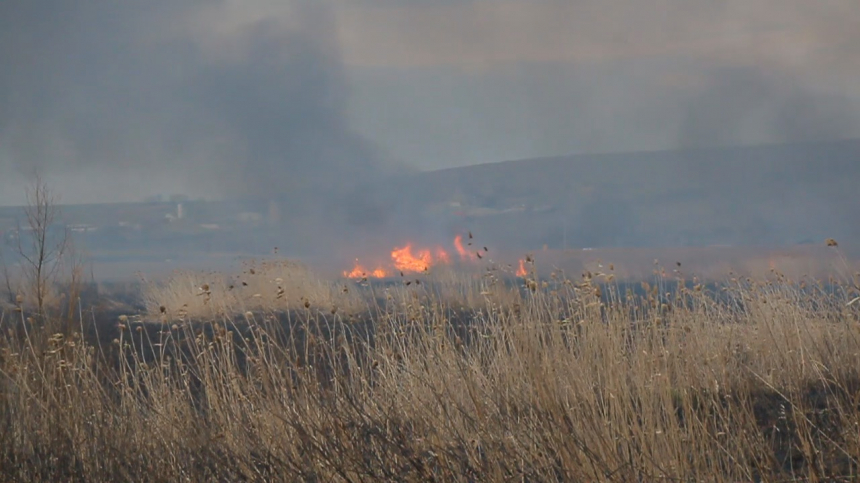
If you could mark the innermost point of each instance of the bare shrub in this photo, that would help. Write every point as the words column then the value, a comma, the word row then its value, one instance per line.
column 45, row 281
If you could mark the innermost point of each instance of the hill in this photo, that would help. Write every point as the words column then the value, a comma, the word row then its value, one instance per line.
column 761, row 195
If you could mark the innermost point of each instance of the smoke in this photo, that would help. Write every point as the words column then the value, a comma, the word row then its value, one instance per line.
column 185, row 96
column 232, row 99
column 515, row 79
column 743, row 105
column 228, row 98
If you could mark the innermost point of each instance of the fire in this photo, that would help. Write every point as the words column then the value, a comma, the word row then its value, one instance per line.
column 458, row 244
column 521, row 271
column 359, row 272
column 406, row 261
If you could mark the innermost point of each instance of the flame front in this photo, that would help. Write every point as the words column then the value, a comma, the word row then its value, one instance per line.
column 359, row 272
column 406, row 261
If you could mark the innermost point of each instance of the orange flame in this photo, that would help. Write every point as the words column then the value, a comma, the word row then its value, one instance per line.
column 406, row 261
column 458, row 244
column 521, row 271
column 359, row 272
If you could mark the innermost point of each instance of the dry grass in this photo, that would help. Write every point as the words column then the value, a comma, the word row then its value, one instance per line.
column 559, row 380
column 266, row 286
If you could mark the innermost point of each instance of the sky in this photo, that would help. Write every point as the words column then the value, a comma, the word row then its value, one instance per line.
column 114, row 100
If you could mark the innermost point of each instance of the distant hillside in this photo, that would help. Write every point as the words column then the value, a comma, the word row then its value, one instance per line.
column 763, row 195
column 766, row 196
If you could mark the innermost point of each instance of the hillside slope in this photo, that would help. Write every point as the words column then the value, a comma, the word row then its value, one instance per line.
column 766, row 195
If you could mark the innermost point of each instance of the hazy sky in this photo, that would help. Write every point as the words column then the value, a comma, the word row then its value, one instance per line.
column 116, row 100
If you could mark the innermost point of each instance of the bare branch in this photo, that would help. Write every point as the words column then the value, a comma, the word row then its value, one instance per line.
column 7, row 277
column 43, row 255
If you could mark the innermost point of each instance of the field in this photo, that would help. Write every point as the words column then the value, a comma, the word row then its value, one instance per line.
column 275, row 374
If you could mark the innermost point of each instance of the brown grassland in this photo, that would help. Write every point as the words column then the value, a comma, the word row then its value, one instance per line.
column 276, row 375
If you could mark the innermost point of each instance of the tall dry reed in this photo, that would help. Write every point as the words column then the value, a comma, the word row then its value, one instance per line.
column 469, row 380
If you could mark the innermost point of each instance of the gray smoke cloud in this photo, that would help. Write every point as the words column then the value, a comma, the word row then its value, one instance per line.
column 741, row 105
column 516, row 79
column 162, row 96
column 126, row 99
column 131, row 91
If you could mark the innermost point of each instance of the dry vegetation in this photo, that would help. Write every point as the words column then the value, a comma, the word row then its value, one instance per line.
column 452, row 379
column 271, row 285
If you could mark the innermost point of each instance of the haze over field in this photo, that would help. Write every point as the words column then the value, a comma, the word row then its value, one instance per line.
column 215, row 98
column 326, row 105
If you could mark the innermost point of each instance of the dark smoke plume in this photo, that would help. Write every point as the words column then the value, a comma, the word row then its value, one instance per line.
column 132, row 89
